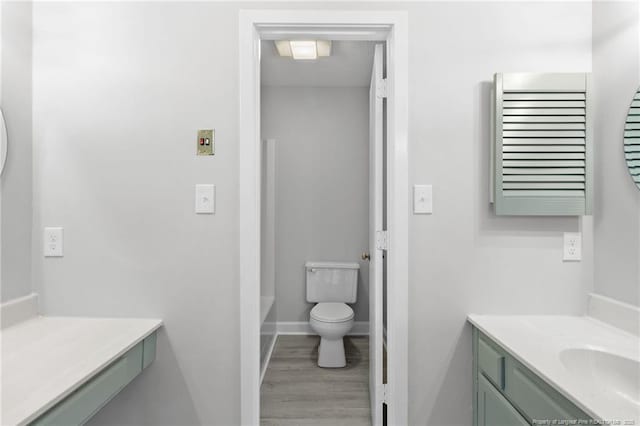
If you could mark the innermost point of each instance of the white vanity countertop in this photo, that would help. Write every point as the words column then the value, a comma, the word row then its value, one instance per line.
column 537, row 341
column 44, row 359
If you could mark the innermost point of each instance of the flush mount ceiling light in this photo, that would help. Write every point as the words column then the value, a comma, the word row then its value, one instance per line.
column 303, row 49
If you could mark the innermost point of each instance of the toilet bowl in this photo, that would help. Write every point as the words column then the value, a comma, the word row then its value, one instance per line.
column 331, row 285
column 331, row 321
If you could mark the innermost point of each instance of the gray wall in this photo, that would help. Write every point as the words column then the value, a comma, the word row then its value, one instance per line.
column 322, row 186
column 463, row 258
column 140, row 78
column 119, row 91
column 616, row 71
column 15, row 276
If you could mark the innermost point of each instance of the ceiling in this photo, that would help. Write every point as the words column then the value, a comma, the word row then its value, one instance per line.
column 349, row 65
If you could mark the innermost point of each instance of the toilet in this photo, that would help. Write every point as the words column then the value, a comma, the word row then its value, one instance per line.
column 331, row 285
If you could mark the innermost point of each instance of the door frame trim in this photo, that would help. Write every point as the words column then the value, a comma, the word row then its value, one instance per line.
column 392, row 27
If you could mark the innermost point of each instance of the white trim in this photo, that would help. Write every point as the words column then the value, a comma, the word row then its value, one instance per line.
column 17, row 310
column 301, row 328
column 360, row 328
column 249, row 219
column 267, row 357
column 615, row 313
column 339, row 24
column 266, row 304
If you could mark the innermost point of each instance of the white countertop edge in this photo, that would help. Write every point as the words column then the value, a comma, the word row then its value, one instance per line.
column 472, row 318
column 95, row 371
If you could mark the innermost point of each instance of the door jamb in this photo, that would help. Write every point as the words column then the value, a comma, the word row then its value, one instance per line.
column 391, row 26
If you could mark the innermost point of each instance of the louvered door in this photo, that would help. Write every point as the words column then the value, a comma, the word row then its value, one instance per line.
column 543, row 154
column 632, row 139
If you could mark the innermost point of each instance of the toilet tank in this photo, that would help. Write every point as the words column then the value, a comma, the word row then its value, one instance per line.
column 332, row 282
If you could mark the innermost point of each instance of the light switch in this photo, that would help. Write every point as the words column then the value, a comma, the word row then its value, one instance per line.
column 572, row 246
column 53, row 242
column 422, row 199
column 205, row 199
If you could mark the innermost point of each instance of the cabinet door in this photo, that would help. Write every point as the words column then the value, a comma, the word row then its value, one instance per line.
column 494, row 409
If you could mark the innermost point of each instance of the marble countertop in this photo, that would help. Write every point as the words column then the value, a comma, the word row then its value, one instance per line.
column 44, row 359
column 537, row 341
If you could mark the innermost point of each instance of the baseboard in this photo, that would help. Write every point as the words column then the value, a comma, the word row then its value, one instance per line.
column 267, row 358
column 360, row 328
column 613, row 312
column 18, row 310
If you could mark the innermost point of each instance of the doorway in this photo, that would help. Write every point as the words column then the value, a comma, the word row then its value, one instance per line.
column 388, row 27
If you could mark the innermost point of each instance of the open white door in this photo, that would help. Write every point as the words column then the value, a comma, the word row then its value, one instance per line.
column 377, row 237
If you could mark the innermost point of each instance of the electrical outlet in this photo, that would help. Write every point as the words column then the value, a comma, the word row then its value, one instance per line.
column 53, row 242
column 572, row 246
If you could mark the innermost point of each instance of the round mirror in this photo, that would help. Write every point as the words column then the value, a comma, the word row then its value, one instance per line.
column 632, row 139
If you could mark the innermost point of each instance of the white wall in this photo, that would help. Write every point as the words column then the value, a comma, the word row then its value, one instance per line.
column 16, row 182
column 463, row 258
column 119, row 91
column 322, row 186
column 616, row 68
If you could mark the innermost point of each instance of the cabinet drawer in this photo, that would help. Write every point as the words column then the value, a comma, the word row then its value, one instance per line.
column 537, row 399
column 491, row 363
column 78, row 407
column 494, row 409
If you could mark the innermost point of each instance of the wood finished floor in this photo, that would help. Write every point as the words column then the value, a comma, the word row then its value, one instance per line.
column 296, row 392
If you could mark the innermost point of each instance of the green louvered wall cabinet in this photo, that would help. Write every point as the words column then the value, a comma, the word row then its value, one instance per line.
column 542, row 147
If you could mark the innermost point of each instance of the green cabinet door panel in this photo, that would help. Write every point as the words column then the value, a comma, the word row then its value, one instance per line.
column 499, row 380
column 149, row 350
column 494, row 409
column 78, row 407
column 491, row 363
column 87, row 400
column 536, row 398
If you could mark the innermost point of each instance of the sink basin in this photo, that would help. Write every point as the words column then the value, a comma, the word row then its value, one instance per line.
column 615, row 373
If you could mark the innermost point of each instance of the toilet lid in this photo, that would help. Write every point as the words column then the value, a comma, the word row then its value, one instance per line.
column 332, row 312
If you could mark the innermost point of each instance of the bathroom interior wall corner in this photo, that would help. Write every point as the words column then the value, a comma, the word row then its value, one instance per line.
column 16, row 181
column 117, row 103
column 463, row 258
column 133, row 246
column 616, row 46
column 322, row 186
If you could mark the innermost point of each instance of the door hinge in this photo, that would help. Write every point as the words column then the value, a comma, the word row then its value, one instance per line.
column 381, row 88
column 382, row 240
column 382, row 393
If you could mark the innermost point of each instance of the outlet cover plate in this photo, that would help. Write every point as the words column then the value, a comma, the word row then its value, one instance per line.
column 572, row 246
column 53, row 242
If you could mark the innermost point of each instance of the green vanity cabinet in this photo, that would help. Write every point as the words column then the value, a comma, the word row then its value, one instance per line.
column 494, row 409
column 506, row 393
column 88, row 399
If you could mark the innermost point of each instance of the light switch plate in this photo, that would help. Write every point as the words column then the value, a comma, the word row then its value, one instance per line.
column 422, row 199
column 205, row 142
column 572, row 246
column 53, row 242
column 205, row 199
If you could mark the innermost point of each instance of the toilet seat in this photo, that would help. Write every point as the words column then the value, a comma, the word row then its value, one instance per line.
column 332, row 312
